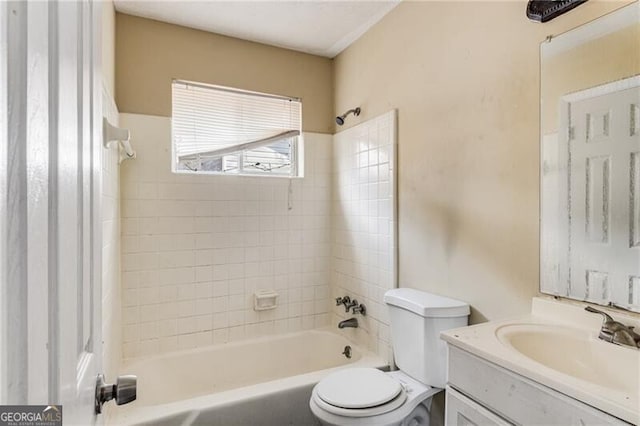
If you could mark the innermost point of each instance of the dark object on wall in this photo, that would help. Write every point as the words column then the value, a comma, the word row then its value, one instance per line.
column 543, row 11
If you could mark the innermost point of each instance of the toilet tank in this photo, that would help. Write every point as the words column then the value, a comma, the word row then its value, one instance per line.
column 417, row 318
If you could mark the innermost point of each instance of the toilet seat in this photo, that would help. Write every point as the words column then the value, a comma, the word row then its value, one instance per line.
column 359, row 392
column 360, row 412
column 412, row 394
column 358, row 388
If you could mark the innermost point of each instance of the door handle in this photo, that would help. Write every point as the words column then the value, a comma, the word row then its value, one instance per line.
column 124, row 391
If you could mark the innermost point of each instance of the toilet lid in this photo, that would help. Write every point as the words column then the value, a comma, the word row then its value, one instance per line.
column 358, row 388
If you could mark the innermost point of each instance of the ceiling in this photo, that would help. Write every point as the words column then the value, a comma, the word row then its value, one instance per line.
column 320, row 27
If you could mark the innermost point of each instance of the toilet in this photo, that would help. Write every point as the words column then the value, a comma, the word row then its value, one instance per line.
column 368, row 396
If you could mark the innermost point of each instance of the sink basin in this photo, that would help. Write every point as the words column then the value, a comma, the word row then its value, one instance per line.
column 577, row 353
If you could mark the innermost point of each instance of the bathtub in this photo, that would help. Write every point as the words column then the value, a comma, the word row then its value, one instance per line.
column 263, row 381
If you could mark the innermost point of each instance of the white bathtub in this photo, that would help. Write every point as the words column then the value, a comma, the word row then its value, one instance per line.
column 262, row 381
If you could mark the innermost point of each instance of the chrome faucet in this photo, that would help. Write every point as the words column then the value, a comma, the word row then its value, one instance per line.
column 346, row 301
column 342, row 300
column 353, row 304
column 351, row 322
column 359, row 309
column 616, row 332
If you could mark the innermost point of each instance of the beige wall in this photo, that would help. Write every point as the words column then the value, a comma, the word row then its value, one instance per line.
column 464, row 77
column 150, row 54
column 603, row 60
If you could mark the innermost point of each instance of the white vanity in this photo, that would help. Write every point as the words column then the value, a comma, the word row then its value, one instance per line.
column 547, row 368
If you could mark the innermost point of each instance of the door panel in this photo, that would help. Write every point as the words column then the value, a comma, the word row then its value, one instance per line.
column 67, row 221
column 37, row 172
column 4, row 133
column 77, row 172
column 24, row 178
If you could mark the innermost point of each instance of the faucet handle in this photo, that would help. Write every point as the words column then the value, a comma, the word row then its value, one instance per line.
column 342, row 300
column 635, row 336
column 614, row 331
column 606, row 317
column 624, row 337
column 350, row 305
column 360, row 309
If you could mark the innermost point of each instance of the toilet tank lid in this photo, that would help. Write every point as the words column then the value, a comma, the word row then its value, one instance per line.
column 426, row 304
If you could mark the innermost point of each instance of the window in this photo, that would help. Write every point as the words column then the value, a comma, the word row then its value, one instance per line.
column 230, row 131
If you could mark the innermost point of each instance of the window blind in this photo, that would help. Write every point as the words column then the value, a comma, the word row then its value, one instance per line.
column 214, row 122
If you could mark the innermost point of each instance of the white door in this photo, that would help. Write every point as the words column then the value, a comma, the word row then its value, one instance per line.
column 50, row 217
column 605, row 198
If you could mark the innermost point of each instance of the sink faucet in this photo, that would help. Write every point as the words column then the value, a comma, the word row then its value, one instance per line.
column 351, row 322
column 616, row 332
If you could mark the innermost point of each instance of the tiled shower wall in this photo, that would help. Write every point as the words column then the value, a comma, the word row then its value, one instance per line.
column 196, row 248
column 364, row 246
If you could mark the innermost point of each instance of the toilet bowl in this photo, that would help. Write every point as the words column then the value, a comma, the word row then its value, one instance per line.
column 370, row 397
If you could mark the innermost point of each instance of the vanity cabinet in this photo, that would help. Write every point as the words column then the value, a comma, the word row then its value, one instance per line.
column 482, row 393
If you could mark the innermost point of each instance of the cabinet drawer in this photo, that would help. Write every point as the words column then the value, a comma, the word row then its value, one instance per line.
column 462, row 411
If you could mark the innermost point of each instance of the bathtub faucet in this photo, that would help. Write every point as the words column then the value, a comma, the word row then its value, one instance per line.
column 347, row 302
column 351, row 322
column 342, row 300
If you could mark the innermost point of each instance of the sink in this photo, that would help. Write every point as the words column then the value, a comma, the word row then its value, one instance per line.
column 577, row 353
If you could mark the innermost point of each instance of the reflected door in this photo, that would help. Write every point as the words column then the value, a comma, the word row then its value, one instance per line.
column 604, row 204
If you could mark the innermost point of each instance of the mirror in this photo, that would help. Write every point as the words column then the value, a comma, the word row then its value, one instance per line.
column 590, row 161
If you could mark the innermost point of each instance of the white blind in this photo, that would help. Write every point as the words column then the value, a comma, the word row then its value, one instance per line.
column 208, row 118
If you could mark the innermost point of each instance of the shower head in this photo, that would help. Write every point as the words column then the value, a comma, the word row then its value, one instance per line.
column 340, row 118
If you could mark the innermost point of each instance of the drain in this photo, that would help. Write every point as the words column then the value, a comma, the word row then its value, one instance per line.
column 347, row 351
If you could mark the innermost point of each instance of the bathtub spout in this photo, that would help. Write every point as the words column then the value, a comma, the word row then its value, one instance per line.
column 351, row 322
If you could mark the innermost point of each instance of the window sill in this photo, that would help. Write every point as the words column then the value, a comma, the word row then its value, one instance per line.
column 251, row 175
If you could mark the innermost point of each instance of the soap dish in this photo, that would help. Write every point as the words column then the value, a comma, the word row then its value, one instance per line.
column 264, row 300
